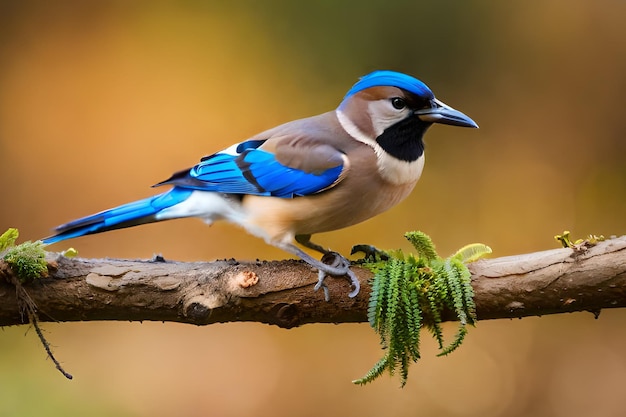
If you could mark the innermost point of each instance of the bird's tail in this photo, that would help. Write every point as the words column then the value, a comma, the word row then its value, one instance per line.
column 131, row 214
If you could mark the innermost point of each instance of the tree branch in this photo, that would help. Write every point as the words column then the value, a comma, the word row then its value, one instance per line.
column 587, row 278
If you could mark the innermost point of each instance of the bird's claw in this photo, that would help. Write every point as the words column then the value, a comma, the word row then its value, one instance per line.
column 321, row 275
column 370, row 253
column 336, row 261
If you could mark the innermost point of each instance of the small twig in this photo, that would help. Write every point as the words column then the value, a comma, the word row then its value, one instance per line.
column 33, row 320
column 28, row 305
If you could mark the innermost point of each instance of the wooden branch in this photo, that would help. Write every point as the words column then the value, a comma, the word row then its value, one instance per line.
column 588, row 278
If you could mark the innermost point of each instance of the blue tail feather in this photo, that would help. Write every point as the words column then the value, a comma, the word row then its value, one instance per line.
column 131, row 214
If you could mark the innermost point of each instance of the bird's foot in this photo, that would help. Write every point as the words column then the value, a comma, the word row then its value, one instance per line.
column 370, row 253
column 332, row 264
column 337, row 266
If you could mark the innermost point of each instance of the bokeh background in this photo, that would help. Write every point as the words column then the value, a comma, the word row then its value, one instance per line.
column 99, row 100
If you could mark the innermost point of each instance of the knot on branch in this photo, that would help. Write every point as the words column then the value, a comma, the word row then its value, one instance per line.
column 197, row 309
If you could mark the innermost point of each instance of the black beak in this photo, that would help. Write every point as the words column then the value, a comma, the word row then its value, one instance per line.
column 444, row 114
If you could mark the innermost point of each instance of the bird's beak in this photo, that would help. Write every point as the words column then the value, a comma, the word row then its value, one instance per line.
column 442, row 113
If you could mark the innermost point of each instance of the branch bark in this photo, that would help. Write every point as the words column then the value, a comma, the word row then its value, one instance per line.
column 587, row 278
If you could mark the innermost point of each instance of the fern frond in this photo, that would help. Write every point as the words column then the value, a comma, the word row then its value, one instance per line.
column 423, row 244
column 409, row 292
column 414, row 321
column 472, row 252
column 456, row 291
column 404, row 370
column 391, row 315
column 434, row 325
column 465, row 281
column 8, row 238
column 458, row 339
column 376, row 371
column 374, row 306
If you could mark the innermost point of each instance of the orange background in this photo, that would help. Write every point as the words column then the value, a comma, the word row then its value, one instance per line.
column 100, row 100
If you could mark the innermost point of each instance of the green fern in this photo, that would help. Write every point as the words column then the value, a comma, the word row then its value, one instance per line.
column 8, row 238
column 410, row 292
column 423, row 245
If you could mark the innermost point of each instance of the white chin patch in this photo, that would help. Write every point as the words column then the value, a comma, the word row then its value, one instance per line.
column 396, row 171
column 391, row 169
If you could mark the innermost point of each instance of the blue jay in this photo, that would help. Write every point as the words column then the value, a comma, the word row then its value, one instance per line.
column 307, row 176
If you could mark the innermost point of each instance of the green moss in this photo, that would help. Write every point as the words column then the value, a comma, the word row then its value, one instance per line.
column 27, row 260
column 410, row 292
column 566, row 240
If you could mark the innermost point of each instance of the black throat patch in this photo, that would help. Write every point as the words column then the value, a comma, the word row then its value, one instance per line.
column 404, row 139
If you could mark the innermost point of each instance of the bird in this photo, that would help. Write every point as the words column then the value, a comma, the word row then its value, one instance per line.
column 307, row 176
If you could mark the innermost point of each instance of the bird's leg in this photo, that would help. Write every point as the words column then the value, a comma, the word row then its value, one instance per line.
column 305, row 240
column 335, row 260
column 332, row 264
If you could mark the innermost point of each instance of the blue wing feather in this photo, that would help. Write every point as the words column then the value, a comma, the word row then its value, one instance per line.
column 253, row 171
column 221, row 173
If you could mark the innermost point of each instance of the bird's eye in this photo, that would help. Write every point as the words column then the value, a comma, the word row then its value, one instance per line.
column 398, row 103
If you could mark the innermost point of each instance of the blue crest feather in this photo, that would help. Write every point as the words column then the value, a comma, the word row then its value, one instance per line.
column 392, row 79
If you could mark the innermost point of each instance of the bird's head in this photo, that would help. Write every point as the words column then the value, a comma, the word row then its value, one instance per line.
column 390, row 111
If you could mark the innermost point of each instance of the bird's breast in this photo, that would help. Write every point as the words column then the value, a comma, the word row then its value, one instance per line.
column 396, row 171
column 354, row 200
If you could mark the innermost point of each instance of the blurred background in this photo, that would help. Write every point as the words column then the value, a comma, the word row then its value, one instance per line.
column 99, row 100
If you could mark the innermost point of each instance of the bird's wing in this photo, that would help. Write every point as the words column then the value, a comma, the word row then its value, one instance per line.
column 285, row 166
